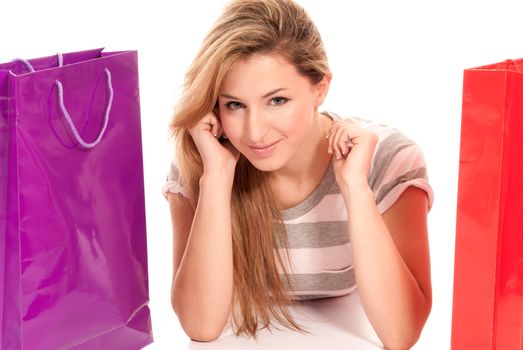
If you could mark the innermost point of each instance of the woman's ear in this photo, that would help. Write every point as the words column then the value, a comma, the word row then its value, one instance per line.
column 321, row 89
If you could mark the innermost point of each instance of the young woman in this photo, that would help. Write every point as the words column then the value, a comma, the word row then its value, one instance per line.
column 273, row 202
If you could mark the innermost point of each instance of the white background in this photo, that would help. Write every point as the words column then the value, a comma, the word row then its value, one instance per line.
column 398, row 62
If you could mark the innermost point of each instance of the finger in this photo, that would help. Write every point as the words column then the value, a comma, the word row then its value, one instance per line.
column 330, row 134
column 214, row 124
column 337, row 139
column 344, row 143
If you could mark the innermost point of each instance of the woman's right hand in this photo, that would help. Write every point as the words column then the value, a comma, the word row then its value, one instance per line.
column 217, row 153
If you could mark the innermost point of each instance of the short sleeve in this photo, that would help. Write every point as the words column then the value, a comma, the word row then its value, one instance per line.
column 398, row 163
column 172, row 181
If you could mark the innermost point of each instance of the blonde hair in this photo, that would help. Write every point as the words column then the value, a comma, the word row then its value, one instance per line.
column 248, row 27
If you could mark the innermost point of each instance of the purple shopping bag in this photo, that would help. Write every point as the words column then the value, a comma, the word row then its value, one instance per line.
column 73, row 254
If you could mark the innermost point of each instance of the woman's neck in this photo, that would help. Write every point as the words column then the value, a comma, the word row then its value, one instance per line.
column 310, row 161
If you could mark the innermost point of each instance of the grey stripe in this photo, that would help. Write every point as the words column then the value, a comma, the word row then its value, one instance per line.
column 324, row 281
column 173, row 174
column 334, row 189
column 311, row 296
column 334, row 116
column 413, row 174
column 317, row 234
column 314, row 198
column 389, row 147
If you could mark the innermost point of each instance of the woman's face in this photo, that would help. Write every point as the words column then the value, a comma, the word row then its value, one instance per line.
column 267, row 110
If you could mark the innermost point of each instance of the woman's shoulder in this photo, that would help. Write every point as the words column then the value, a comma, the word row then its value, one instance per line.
column 397, row 162
column 394, row 152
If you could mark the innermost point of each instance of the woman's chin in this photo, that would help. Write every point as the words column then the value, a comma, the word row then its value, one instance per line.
column 265, row 164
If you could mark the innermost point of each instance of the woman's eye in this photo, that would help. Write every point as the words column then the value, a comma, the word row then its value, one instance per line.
column 233, row 105
column 279, row 100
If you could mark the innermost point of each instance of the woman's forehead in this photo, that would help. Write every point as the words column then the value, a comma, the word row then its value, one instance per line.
column 260, row 72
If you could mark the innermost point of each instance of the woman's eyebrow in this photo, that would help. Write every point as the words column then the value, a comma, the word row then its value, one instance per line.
column 264, row 96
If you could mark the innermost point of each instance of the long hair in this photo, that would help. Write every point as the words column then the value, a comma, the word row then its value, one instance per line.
column 248, row 27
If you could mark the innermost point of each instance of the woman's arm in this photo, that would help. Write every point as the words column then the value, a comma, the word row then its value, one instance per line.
column 391, row 261
column 203, row 266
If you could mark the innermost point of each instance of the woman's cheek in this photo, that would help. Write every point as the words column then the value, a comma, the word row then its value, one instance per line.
column 230, row 129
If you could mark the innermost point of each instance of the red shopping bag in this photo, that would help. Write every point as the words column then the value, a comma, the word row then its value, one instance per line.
column 488, row 277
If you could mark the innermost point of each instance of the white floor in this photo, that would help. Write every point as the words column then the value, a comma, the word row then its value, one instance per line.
column 334, row 323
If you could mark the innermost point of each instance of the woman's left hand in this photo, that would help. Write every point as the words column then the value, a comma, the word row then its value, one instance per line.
column 354, row 146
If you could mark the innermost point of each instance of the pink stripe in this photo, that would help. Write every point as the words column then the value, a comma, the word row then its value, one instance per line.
column 407, row 159
column 330, row 208
column 336, row 293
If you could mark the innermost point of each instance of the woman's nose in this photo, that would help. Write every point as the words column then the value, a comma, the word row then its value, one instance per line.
column 256, row 126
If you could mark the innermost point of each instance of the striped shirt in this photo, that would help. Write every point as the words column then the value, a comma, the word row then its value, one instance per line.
column 320, row 255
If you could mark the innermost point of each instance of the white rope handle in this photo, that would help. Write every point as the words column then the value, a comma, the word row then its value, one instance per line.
column 70, row 122
column 60, row 59
column 27, row 64
column 30, row 66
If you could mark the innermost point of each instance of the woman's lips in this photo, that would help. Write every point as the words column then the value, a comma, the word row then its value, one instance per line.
column 264, row 151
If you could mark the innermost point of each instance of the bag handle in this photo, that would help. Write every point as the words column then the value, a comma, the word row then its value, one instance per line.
column 514, row 63
column 106, row 117
column 30, row 66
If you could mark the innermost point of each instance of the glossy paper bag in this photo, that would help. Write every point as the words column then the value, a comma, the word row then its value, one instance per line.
column 73, row 248
column 488, row 275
